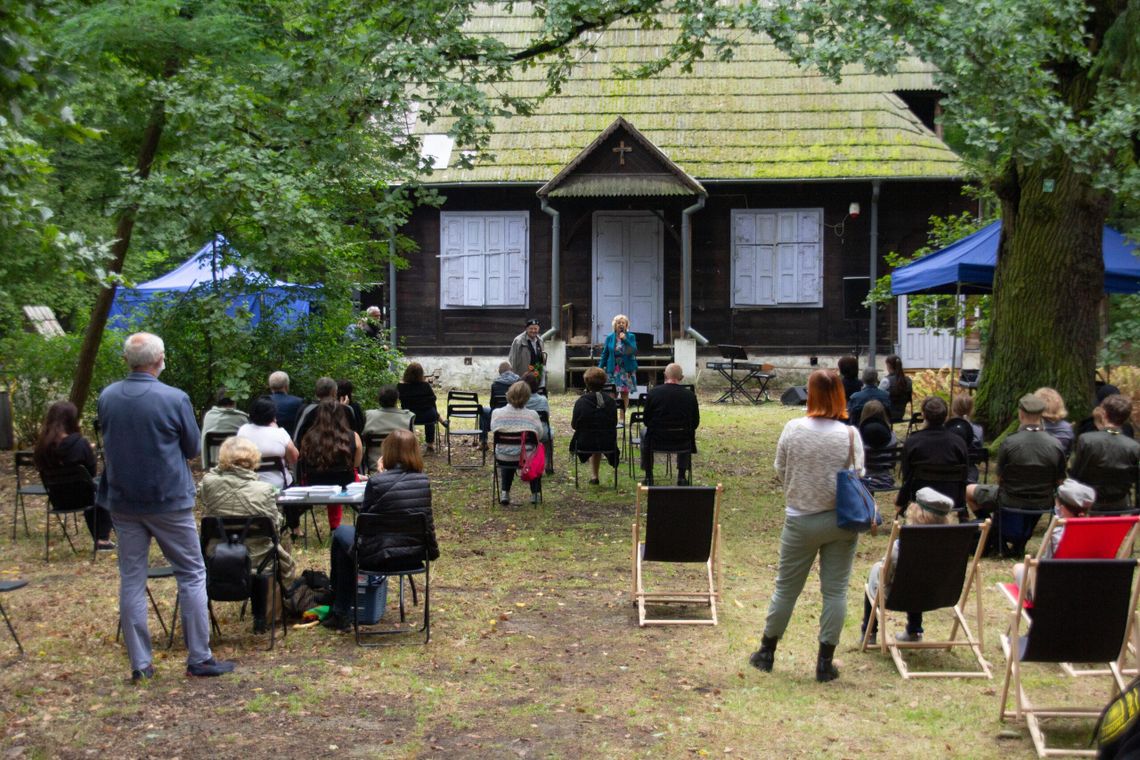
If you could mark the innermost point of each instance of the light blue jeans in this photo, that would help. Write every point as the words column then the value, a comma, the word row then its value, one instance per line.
column 801, row 540
column 177, row 536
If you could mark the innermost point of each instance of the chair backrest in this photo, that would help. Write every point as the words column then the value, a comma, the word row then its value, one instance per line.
column 70, row 488
column 932, row 565
column 330, row 477
column 274, row 464
column 1042, row 478
column 635, row 422
column 882, row 460
column 679, row 523
column 217, row 528
column 463, row 410
column 210, row 452
column 672, row 440
column 1081, row 610
column 498, row 401
column 411, row 528
column 1092, row 537
column 948, row 479
column 24, row 459
column 462, row 396
column 503, row 438
column 611, row 389
column 372, row 443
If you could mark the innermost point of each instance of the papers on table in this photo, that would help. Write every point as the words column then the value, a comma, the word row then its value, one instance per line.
column 354, row 491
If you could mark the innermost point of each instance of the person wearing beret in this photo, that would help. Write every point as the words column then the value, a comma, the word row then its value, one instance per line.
column 527, row 352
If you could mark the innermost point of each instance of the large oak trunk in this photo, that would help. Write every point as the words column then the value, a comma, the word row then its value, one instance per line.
column 1048, row 285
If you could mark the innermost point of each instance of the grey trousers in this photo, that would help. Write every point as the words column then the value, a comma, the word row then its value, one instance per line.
column 801, row 540
column 177, row 536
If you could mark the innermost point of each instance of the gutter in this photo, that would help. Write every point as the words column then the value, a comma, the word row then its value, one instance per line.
column 555, row 267
column 687, row 271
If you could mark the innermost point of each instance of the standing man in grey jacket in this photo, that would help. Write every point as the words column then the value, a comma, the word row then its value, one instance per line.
column 149, row 432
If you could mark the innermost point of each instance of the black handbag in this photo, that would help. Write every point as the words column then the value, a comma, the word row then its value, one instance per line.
column 855, row 507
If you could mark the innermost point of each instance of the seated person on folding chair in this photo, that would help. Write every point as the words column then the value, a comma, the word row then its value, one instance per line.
column 387, row 418
column 1096, row 420
column 1031, row 445
column 499, row 387
column 1108, row 449
column 232, row 489
column 869, row 392
column 670, row 407
column 271, row 440
column 539, row 404
column 878, row 440
column 928, row 508
column 933, row 444
column 222, row 417
column 400, row 486
column 515, row 418
column 594, row 421
column 1074, row 499
column 329, row 446
column 962, row 424
column 61, row 445
column 418, row 397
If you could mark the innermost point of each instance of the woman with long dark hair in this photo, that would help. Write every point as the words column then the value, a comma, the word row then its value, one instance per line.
column 898, row 387
column 400, row 486
column 331, row 446
column 61, row 444
column 810, row 451
column 417, row 396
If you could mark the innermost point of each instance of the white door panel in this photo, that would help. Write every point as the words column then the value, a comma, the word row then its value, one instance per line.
column 627, row 272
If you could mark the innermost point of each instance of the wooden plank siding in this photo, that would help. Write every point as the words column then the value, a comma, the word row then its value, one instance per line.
column 905, row 207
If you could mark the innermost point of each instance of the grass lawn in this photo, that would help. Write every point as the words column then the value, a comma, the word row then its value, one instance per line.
column 535, row 649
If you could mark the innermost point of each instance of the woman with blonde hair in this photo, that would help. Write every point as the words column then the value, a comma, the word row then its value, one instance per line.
column 928, row 508
column 1053, row 418
column 232, row 489
column 810, row 451
column 619, row 358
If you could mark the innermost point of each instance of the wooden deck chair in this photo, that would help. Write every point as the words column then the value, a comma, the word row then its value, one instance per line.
column 1082, row 610
column 938, row 566
column 682, row 525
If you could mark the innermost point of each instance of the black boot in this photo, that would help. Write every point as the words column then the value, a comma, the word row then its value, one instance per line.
column 824, row 668
column 764, row 657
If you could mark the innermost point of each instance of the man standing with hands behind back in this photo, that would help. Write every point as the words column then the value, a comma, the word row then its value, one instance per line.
column 527, row 352
column 149, row 432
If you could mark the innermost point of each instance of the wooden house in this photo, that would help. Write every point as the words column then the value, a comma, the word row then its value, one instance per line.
column 741, row 203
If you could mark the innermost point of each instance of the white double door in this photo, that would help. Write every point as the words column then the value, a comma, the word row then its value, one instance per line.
column 628, row 272
column 923, row 343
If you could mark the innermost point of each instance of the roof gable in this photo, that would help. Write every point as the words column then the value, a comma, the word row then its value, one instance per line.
column 754, row 117
column 620, row 161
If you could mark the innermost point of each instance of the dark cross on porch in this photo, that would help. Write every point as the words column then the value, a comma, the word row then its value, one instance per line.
column 621, row 150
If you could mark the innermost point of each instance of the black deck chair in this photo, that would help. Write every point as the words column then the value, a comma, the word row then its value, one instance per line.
column 1082, row 611
column 372, row 443
column 254, row 526
column 414, row 528
column 682, row 525
column 938, row 567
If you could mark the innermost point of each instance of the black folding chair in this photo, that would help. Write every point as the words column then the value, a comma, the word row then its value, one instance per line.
column 947, row 479
column 275, row 464
column 411, row 532
column 372, row 443
column 157, row 573
column 70, row 491
column 672, row 441
column 544, row 418
column 472, row 412
column 253, row 527
column 24, row 461
column 1081, row 611
column 938, row 566
column 210, row 452
column 499, row 438
column 883, row 460
column 5, row 587
column 980, row 458
column 682, row 525
column 611, row 453
column 1015, row 524
column 633, row 439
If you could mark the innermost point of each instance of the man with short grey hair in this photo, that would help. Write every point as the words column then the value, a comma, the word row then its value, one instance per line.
column 870, row 392
column 149, row 433
column 287, row 404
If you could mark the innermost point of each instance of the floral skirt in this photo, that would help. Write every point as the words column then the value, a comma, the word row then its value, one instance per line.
column 623, row 380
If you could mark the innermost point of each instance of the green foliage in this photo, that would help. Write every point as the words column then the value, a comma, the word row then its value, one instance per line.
column 38, row 372
column 1122, row 343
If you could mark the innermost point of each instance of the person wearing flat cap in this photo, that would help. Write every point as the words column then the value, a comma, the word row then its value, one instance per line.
column 1074, row 499
column 527, row 354
column 928, row 508
column 1030, row 463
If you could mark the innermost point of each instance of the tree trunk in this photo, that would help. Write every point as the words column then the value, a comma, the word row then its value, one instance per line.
column 93, row 337
column 1048, row 284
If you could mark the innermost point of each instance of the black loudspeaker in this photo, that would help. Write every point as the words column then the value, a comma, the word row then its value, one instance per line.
column 795, row 396
column 855, row 289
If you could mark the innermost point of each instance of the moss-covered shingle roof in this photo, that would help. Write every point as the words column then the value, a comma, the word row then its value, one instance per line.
column 756, row 117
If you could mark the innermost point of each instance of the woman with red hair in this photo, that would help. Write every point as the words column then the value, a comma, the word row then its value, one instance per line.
column 810, row 451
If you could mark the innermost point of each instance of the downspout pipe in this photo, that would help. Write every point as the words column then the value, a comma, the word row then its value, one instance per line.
column 392, row 285
column 872, row 330
column 555, row 267
column 687, row 272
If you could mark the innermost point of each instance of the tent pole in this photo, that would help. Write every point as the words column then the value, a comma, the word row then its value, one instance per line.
column 954, row 341
column 872, row 332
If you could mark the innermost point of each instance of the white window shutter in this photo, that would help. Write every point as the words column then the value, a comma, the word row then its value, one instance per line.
column 515, row 268
column 451, row 262
column 766, row 275
column 484, row 259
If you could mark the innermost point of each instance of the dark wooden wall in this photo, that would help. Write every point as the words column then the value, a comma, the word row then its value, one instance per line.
column 904, row 208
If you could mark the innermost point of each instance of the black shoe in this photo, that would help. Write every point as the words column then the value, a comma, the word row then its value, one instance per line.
column 337, row 622
column 764, row 657
column 260, row 626
column 682, row 481
column 210, row 668
column 104, row 546
column 825, row 669
column 138, row 676
column 595, row 482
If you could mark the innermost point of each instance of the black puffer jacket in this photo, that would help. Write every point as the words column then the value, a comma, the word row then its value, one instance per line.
column 401, row 492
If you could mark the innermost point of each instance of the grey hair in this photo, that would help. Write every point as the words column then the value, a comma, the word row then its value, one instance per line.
column 278, row 381
column 674, row 372
column 325, row 388
column 143, row 350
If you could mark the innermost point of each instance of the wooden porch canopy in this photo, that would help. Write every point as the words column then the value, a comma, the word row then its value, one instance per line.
column 622, row 162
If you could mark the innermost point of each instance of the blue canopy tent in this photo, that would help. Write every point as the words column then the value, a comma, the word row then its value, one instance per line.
column 966, row 267
column 288, row 302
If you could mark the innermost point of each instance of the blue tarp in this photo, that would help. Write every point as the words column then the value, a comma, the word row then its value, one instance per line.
column 288, row 302
column 967, row 266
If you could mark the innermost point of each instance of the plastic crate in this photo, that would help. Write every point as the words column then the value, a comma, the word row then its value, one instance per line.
column 371, row 598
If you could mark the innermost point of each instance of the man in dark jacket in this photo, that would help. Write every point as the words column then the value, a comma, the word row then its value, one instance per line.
column 1107, row 459
column 934, row 444
column 287, row 404
column 871, row 391
column 594, row 421
column 671, row 415
column 149, row 432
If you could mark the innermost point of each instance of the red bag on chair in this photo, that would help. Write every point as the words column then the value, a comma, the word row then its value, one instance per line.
column 531, row 467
